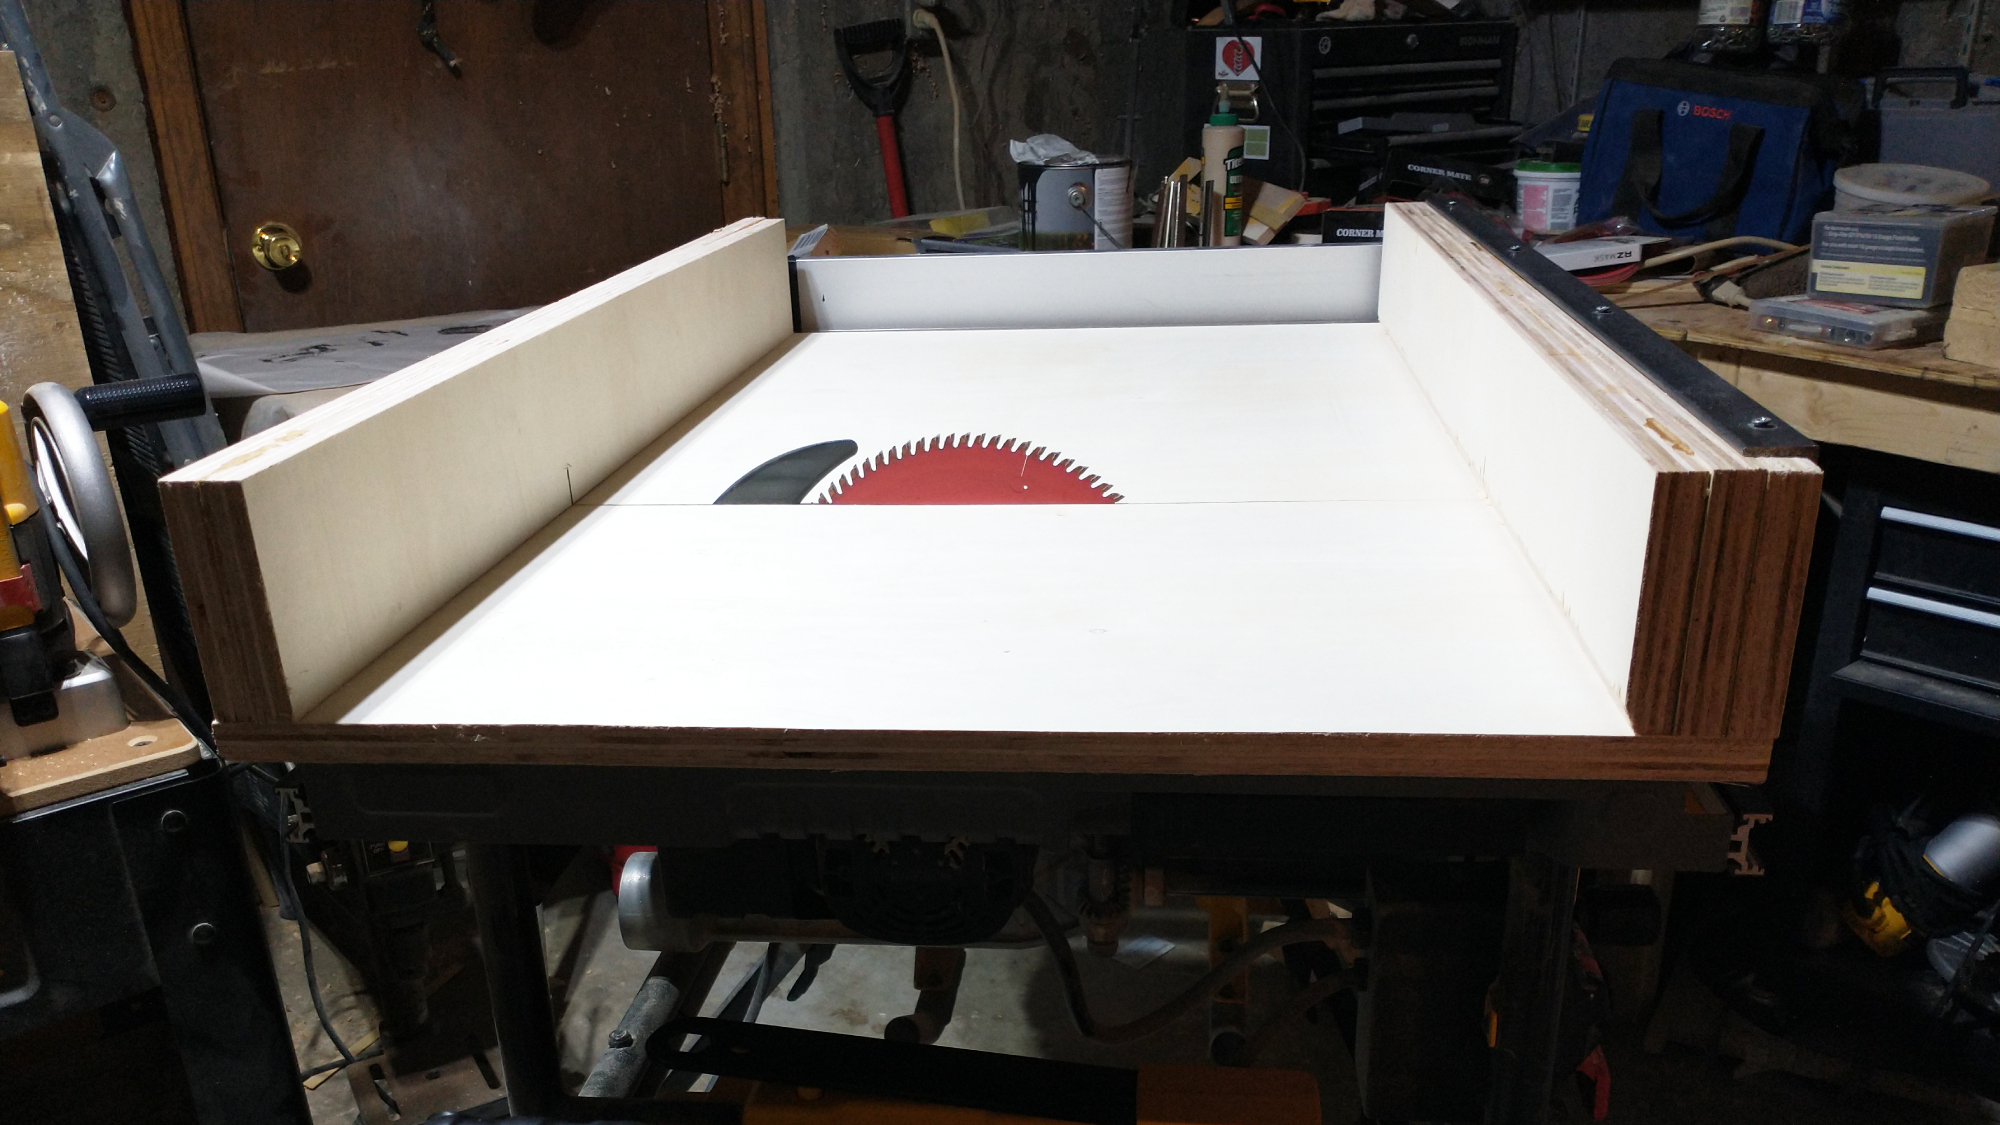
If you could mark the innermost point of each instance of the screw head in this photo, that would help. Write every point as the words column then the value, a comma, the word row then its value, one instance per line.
column 620, row 1039
column 173, row 820
column 201, row 933
column 1764, row 422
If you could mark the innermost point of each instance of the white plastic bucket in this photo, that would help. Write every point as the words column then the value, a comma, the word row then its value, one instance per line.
column 1904, row 185
column 1546, row 200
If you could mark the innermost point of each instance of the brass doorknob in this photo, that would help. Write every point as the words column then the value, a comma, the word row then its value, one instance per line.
column 277, row 247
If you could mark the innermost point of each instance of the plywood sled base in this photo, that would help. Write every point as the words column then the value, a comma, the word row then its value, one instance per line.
column 1464, row 539
column 1207, row 755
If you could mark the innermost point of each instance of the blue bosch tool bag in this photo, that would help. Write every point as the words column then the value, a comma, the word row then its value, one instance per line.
column 1703, row 153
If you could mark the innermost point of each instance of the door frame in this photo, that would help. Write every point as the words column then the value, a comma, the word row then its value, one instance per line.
column 746, row 147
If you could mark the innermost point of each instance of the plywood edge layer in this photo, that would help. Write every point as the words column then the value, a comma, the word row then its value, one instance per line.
column 1666, row 591
column 1774, row 598
column 1218, row 754
column 215, row 553
column 1756, row 539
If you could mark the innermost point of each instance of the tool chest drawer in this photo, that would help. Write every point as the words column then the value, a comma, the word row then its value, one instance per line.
column 1939, row 638
column 1927, row 554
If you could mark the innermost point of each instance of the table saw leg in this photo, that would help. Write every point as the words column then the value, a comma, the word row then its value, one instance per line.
column 1541, row 898
column 510, row 939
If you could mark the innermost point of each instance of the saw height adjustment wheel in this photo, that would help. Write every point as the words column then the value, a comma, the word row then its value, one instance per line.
column 71, row 476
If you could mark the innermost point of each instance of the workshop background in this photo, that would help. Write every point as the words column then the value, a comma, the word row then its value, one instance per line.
column 1786, row 979
column 1039, row 66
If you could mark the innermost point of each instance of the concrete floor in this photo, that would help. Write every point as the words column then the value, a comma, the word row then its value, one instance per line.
column 1010, row 1002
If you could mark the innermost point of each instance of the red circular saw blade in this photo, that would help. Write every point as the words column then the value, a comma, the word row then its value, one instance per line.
column 964, row 469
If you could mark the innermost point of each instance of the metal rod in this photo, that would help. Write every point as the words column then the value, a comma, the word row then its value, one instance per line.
column 660, row 998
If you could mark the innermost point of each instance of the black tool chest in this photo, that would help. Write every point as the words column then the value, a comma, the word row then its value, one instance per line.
column 1908, row 623
column 1319, row 76
column 1933, row 600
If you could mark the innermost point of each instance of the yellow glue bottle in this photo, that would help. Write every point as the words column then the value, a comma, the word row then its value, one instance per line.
column 1222, row 178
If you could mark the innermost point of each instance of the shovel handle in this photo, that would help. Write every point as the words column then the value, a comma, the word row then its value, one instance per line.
column 892, row 165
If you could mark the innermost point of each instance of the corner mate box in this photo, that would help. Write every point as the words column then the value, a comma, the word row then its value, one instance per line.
column 1907, row 257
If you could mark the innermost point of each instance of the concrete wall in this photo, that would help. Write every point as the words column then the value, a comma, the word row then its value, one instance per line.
column 1886, row 33
column 1547, row 74
column 87, row 50
column 1023, row 67
column 1933, row 33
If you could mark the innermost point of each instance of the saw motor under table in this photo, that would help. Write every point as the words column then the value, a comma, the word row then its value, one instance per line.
column 1331, row 511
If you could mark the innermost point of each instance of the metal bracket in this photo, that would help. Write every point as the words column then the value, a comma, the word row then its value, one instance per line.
column 1737, row 417
column 1000, row 1084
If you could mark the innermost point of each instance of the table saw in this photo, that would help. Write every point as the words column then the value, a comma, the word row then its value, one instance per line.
column 883, row 595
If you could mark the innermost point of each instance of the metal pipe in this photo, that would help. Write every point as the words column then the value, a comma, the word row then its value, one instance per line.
column 646, row 921
column 1170, row 221
column 667, row 989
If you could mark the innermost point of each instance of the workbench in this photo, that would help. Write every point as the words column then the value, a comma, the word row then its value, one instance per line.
column 1407, row 552
column 1912, row 402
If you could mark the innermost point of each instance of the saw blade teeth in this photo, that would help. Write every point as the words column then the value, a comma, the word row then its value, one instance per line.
column 836, row 491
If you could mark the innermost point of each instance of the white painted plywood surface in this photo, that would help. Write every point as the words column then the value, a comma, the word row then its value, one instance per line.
column 1303, row 549
column 1164, row 415
column 1577, row 490
column 1090, row 289
column 1367, row 616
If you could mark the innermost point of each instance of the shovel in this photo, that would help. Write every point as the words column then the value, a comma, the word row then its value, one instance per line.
column 880, row 93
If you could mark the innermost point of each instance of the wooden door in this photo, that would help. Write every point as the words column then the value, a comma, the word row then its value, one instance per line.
column 573, row 140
